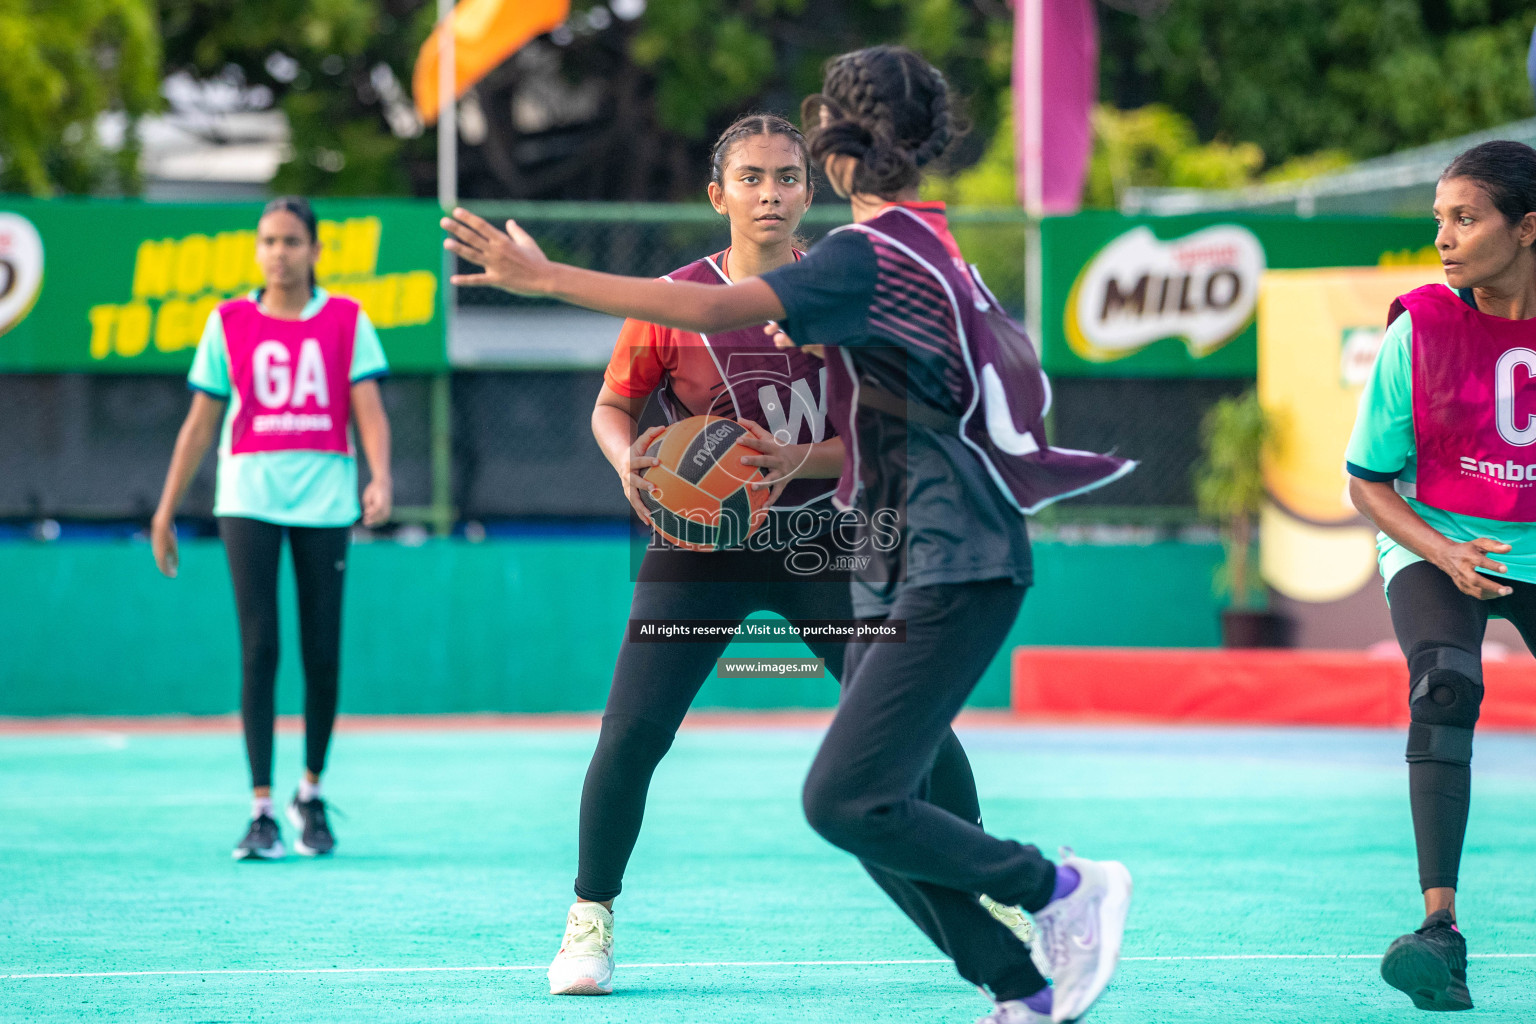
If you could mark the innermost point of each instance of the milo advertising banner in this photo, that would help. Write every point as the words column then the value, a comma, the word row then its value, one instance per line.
column 1177, row 296
column 126, row 287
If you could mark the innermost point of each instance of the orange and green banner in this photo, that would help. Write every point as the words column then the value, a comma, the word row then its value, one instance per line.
column 125, row 287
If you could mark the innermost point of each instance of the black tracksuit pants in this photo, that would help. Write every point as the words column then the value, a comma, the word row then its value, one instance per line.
column 868, row 789
column 1428, row 609
column 655, row 682
column 253, row 547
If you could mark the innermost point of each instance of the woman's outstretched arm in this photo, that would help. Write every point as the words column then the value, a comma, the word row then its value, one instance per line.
column 513, row 262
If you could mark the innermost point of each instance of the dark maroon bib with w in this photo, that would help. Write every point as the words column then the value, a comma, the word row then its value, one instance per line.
column 928, row 301
column 783, row 391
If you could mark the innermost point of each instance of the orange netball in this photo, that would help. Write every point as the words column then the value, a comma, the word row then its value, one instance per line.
column 702, row 501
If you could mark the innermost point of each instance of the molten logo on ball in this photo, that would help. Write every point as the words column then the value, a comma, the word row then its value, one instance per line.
column 714, row 438
column 21, row 269
column 704, row 501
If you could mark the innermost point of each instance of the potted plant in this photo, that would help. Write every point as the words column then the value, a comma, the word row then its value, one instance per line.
column 1229, row 490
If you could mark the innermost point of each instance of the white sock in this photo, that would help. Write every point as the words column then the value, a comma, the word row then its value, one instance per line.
column 261, row 805
column 308, row 790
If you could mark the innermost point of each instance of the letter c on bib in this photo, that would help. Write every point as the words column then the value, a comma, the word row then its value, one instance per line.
column 1504, row 396
column 1000, row 426
column 274, row 378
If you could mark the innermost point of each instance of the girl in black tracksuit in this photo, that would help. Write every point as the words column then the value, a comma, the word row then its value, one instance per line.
column 760, row 181
column 959, row 574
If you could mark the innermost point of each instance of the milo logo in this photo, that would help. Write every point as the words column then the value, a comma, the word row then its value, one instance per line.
column 1201, row 289
column 713, row 438
column 21, row 269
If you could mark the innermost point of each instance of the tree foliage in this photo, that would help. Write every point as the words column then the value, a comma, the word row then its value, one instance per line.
column 63, row 63
column 1296, row 76
column 1225, row 93
column 624, row 109
column 1155, row 145
column 322, row 61
column 639, row 102
column 1150, row 146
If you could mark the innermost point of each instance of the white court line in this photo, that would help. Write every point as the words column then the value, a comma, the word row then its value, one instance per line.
column 1309, row 956
column 488, row 969
column 699, row 963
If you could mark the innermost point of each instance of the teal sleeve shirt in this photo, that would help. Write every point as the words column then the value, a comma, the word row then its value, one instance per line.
column 1381, row 447
column 295, row 488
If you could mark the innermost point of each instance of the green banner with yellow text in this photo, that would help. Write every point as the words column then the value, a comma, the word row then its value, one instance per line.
column 126, row 287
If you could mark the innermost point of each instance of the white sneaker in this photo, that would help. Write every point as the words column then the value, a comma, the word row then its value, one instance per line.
column 1018, row 922
column 1080, row 934
column 1014, row 1012
column 1013, row 917
column 584, row 965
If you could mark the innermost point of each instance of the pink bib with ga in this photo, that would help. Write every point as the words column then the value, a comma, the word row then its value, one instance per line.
column 1474, row 407
column 293, row 377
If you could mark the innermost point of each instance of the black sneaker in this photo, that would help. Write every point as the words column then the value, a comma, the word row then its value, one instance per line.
column 1430, row 965
column 308, row 816
column 262, row 841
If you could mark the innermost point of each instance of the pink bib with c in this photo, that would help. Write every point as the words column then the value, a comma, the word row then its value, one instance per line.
column 1474, row 407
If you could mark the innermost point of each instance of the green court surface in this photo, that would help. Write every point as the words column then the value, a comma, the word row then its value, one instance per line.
column 1272, row 868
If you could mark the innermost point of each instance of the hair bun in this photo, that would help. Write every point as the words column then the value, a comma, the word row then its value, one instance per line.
column 886, row 107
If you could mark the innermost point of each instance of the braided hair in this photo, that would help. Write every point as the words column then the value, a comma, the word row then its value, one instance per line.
column 749, row 126
column 887, row 108
column 300, row 208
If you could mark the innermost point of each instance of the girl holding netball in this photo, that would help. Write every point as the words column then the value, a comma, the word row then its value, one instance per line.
column 902, row 322
column 760, row 181
column 287, row 371
column 1440, row 461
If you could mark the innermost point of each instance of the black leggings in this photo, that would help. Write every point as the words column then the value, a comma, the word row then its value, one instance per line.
column 654, row 684
column 868, row 794
column 319, row 564
column 1428, row 609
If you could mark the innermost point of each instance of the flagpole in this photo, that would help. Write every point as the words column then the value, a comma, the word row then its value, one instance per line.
column 1033, row 169
column 448, row 198
column 1034, row 106
column 447, row 121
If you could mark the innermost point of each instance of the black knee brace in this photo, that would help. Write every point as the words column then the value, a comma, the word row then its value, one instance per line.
column 1446, row 691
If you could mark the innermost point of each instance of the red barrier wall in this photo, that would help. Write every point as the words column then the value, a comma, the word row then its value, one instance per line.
column 1242, row 687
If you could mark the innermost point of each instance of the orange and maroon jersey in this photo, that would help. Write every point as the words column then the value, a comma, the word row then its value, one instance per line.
column 738, row 374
